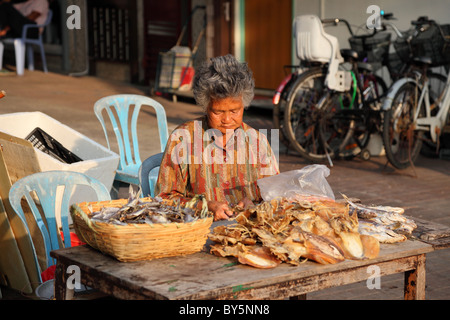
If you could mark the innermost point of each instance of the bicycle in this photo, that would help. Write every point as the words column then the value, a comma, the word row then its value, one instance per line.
column 414, row 107
column 305, row 72
column 304, row 80
column 348, row 119
column 302, row 115
column 375, row 51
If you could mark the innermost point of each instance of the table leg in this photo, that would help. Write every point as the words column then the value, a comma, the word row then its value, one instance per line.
column 60, row 282
column 415, row 281
column 61, row 290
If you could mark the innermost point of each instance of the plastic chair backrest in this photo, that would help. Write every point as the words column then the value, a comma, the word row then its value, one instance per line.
column 312, row 42
column 148, row 174
column 130, row 160
column 45, row 185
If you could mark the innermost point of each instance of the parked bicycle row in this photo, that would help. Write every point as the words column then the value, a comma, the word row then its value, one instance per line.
column 334, row 101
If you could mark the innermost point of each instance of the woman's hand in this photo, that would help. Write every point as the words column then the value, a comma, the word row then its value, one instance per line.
column 221, row 210
column 245, row 203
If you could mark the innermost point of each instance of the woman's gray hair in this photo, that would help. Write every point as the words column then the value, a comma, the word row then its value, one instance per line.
column 223, row 77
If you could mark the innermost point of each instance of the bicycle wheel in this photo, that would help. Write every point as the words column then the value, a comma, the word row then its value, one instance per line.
column 401, row 142
column 335, row 124
column 301, row 115
column 348, row 123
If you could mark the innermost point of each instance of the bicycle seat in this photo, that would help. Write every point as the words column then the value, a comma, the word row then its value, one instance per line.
column 423, row 60
column 349, row 54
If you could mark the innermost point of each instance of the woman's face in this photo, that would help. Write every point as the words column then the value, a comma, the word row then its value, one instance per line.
column 225, row 114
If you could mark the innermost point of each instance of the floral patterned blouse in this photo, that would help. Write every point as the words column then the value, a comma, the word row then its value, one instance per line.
column 194, row 163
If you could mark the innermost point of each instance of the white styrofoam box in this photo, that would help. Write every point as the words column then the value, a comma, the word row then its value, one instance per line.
column 375, row 145
column 98, row 161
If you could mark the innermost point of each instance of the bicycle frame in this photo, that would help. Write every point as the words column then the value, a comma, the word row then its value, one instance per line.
column 433, row 124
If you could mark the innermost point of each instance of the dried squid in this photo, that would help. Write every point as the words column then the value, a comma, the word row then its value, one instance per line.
column 287, row 231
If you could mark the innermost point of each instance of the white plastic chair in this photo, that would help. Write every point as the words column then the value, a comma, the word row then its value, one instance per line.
column 45, row 185
column 130, row 160
column 20, row 44
column 312, row 43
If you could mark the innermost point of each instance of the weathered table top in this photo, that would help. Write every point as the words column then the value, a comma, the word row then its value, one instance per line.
column 205, row 276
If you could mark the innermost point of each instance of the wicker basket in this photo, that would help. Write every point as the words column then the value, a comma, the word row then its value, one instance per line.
column 135, row 242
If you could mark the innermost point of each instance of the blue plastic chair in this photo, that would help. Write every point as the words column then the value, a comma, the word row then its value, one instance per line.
column 130, row 160
column 45, row 185
column 148, row 174
column 20, row 44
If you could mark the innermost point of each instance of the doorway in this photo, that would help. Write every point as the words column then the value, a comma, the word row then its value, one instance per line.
column 268, row 38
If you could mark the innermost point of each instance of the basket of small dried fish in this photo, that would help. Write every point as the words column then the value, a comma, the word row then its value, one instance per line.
column 136, row 228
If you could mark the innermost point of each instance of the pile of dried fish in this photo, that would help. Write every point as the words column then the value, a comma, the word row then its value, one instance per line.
column 290, row 231
column 385, row 223
column 150, row 211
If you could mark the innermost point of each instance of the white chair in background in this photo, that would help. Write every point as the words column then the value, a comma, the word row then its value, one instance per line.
column 20, row 45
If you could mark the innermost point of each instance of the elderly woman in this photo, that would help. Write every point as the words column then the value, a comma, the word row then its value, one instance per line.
column 218, row 155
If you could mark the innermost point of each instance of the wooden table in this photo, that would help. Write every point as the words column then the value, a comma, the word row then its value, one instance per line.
column 205, row 276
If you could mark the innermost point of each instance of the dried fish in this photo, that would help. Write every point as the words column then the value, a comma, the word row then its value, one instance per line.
column 385, row 223
column 368, row 212
column 105, row 214
column 150, row 211
column 380, row 232
column 159, row 219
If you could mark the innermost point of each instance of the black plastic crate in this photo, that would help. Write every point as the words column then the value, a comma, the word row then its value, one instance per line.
column 47, row 144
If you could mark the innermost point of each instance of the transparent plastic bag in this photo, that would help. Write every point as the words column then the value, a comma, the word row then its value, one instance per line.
column 306, row 183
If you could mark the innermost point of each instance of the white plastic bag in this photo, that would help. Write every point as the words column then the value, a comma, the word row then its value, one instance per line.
column 306, row 183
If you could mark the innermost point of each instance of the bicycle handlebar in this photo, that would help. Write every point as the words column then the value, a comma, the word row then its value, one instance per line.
column 397, row 31
column 386, row 16
column 422, row 20
column 336, row 21
column 401, row 34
